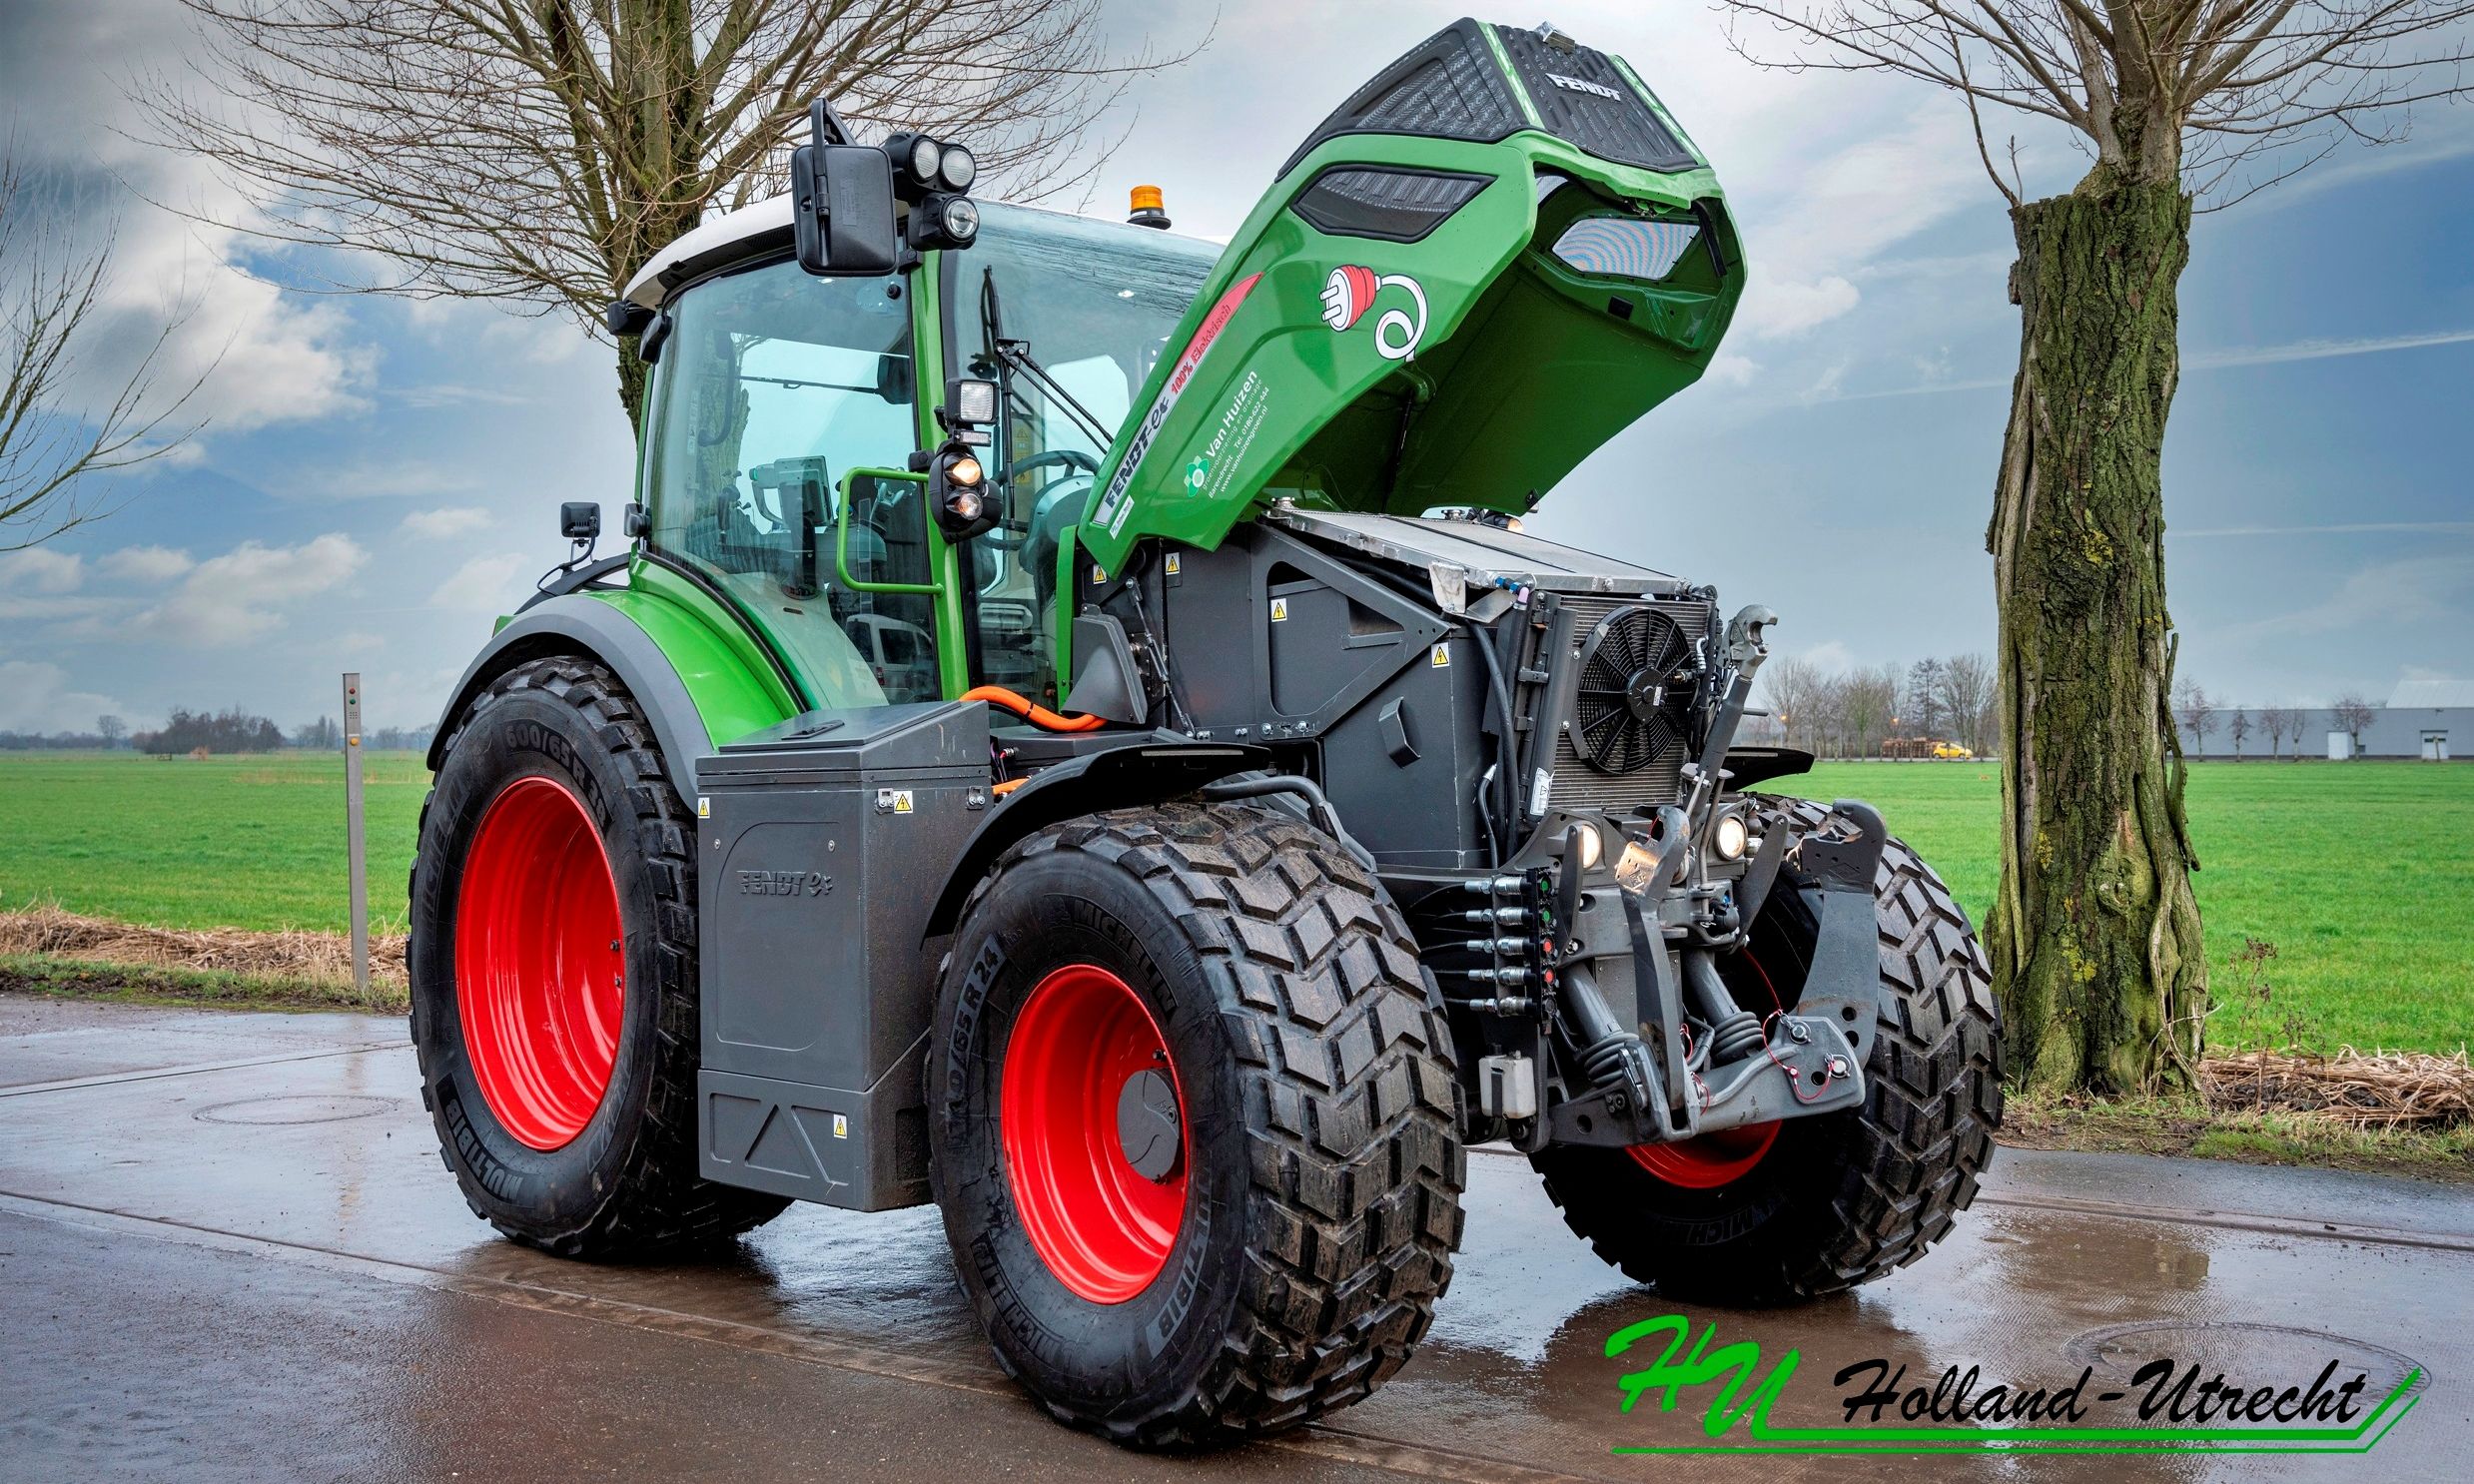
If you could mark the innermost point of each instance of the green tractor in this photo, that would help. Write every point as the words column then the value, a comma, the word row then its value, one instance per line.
column 1078, row 736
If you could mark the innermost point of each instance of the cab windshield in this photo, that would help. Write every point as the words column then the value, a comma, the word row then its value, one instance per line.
column 1094, row 305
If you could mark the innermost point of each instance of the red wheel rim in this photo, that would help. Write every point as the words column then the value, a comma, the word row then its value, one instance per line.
column 541, row 978
column 1102, row 1226
column 1713, row 1160
column 1709, row 1161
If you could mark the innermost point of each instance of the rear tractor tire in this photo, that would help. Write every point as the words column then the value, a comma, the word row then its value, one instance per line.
column 1792, row 1210
column 1193, row 1123
column 553, row 973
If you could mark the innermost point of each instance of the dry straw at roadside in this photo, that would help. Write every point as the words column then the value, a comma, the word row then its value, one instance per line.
column 2380, row 1089
column 316, row 958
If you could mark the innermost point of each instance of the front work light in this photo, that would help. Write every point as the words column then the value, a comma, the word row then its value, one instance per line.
column 943, row 220
column 957, row 167
column 971, row 402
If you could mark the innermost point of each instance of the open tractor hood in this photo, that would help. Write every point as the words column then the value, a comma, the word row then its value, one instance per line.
column 1490, row 260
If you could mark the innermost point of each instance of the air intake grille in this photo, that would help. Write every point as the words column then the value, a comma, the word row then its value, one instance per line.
column 1577, row 784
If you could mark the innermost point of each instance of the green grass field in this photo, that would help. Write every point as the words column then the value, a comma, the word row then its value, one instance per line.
column 223, row 842
column 2363, row 875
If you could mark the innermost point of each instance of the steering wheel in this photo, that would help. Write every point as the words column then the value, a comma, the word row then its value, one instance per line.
column 1003, row 538
column 1053, row 457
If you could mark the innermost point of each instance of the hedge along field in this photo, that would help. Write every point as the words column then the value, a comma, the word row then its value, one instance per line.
column 2361, row 874
column 223, row 842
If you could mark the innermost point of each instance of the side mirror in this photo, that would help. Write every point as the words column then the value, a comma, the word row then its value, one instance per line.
column 842, row 209
column 579, row 520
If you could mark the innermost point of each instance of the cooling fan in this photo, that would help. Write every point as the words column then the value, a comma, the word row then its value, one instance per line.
column 1632, row 703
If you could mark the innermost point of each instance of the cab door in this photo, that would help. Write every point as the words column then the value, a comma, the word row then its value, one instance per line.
column 784, row 409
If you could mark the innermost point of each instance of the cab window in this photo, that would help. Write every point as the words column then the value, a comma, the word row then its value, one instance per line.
column 1094, row 303
column 771, row 387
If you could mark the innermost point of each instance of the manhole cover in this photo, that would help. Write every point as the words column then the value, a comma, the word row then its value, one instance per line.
column 296, row 1109
column 2284, row 1353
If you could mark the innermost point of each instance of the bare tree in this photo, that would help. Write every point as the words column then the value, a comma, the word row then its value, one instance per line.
column 51, row 446
column 2195, row 712
column 539, row 151
column 1792, row 686
column 2237, row 726
column 1924, row 696
column 2353, row 713
column 1967, row 692
column 2094, row 932
column 111, row 729
column 1870, row 705
column 2275, row 720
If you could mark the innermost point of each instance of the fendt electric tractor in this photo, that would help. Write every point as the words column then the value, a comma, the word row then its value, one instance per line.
column 1078, row 736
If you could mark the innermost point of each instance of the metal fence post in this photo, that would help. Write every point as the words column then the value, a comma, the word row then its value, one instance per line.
column 353, row 834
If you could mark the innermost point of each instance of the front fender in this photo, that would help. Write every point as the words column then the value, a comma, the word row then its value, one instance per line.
column 616, row 636
column 1150, row 768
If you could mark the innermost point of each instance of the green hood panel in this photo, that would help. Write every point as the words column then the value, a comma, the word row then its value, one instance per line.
column 1455, row 321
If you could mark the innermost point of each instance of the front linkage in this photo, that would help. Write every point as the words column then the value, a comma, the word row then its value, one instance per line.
column 1651, row 926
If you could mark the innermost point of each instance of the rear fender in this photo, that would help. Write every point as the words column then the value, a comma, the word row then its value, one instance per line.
column 1148, row 769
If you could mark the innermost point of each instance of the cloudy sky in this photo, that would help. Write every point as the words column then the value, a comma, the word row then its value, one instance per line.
column 379, row 478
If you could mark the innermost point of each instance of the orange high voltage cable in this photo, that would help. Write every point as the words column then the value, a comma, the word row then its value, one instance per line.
column 1037, row 715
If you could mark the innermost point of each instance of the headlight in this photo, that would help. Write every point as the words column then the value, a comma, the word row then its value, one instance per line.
column 964, row 471
column 1729, row 837
column 959, row 219
column 1592, row 847
column 926, row 157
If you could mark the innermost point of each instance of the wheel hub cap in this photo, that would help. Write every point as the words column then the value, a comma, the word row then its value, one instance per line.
column 540, row 966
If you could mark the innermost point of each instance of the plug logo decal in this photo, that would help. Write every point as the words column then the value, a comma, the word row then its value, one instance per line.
column 1350, row 292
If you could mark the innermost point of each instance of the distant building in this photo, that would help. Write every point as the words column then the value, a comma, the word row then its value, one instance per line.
column 2428, row 719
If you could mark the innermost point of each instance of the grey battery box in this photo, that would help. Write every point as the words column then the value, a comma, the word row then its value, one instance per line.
column 822, row 844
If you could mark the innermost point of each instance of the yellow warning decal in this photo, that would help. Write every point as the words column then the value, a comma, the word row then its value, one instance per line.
column 1441, row 659
column 1280, row 610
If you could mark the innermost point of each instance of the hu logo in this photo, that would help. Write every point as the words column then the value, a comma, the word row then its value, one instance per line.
column 1350, row 292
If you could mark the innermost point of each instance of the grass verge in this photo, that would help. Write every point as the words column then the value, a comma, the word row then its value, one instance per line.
column 150, row 984
column 2188, row 1126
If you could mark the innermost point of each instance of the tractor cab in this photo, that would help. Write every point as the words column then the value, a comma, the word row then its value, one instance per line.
column 786, row 410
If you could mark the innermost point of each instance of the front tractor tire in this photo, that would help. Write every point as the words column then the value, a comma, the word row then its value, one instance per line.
column 1193, row 1123
column 553, row 973
column 1779, row 1212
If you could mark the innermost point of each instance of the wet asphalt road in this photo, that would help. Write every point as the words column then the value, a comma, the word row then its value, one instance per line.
column 227, row 1250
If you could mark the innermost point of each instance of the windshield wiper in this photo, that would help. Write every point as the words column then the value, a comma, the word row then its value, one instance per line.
column 1016, row 355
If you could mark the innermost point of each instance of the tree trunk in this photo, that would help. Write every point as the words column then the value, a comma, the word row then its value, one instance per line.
column 2095, row 934
column 632, row 373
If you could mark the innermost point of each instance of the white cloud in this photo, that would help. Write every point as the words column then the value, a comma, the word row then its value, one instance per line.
column 238, row 597
column 35, row 697
column 1728, row 368
column 145, row 563
column 485, row 582
column 446, row 522
column 2322, row 349
column 374, row 478
column 38, row 569
column 1773, row 310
